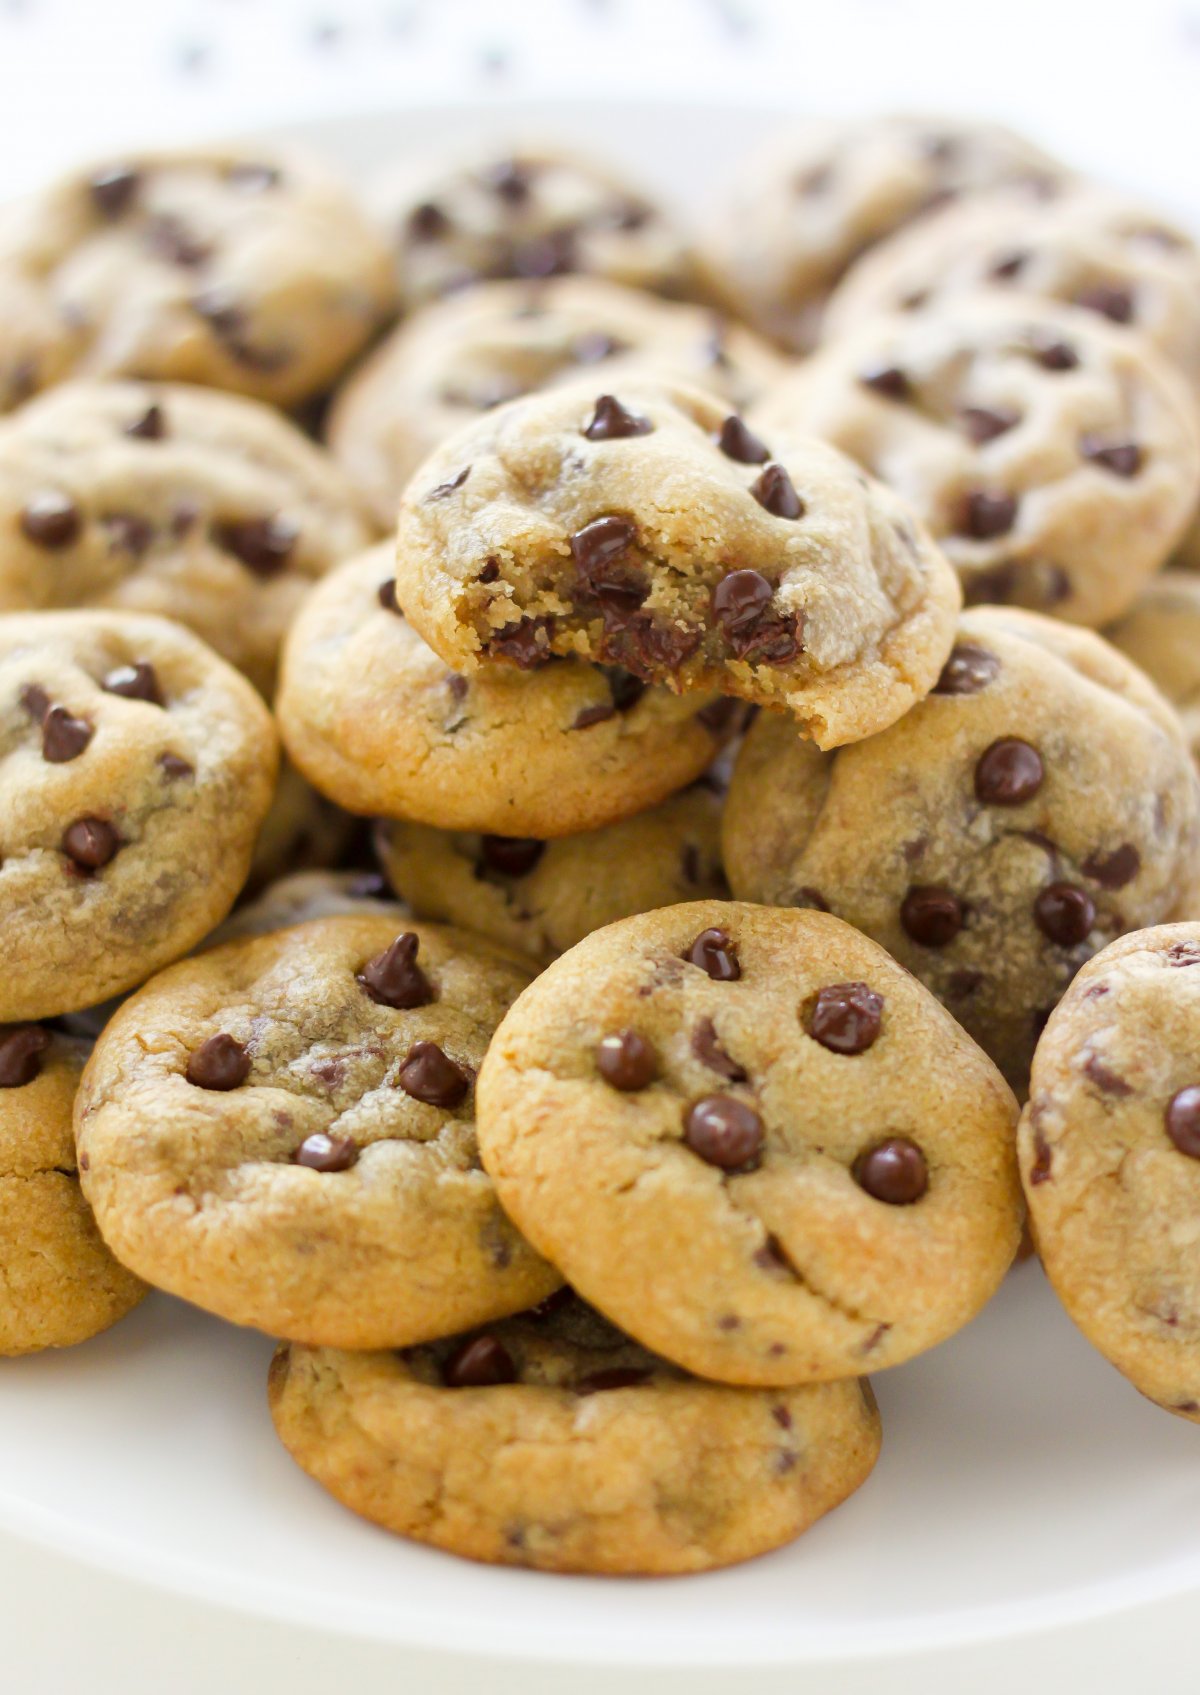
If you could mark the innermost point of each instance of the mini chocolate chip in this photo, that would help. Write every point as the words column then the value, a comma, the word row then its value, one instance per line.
column 589, row 715
column 21, row 1050
column 737, row 441
column 708, row 1050
column 724, row 1132
column 90, row 843
column 611, row 421
column 443, row 489
column 1109, row 299
column 595, row 346
column 1113, row 870
column 1008, row 773
column 150, row 425
column 626, row 1060
column 511, row 856
column 1122, row 458
column 846, row 1018
column 986, row 513
column 932, row 917
column 1064, row 914
column 519, row 643
column 427, row 221
column 127, row 533
column 174, row 767
column 714, row 951
column 64, row 737
column 616, row 1377
column 1183, row 1121
column 51, row 520
column 430, row 1075
column 984, row 423
column 113, row 189
column 327, row 1153
column 264, row 545
column 740, row 599
column 968, row 670
column 393, row 978
column 888, row 380
column 1007, row 266
column 774, row 490
column 601, row 541
column 386, row 593
column 1053, row 354
column 893, row 1171
column 134, row 682
column 219, row 1063
column 482, row 1363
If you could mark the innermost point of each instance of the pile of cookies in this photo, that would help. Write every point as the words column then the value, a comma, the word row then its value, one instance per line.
column 522, row 879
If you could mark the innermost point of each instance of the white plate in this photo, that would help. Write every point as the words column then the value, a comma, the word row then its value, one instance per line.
column 1030, row 1516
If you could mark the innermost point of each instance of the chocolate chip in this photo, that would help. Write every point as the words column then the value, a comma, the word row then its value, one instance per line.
column 113, row 189
column 616, row 1377
column 846, row 1018
column 521, row 643
column 932, row 917
column 127, row 533
column 35, row 700
column 21, row 1050
column 1064, row 914
column 549, row 255
column 167, row 237
column 597, row 544
column 150, row 425
column 511, row 856
column 595, row 346
column 386, row 593
column 610, row 421
column 1109, row 299
column 64, row 737
column 483, row 1363
column 1008, row 773
column 809, row 899
column 984, row 423
column 134, row 682
column 740, row 599
column 888, row 380
column 172, row 766
column 327, row 1153
column 393, row 978
column 1007, row 266
column 430, row 1075
column 968, row 670
column 427, row 222
column 51, row 520
column 714, row 951
column 511, row 179
column 893, row 1171
column 740, row 443
column 1183, row 1121
column 219, row 1063
column 986, row 513
column 1113, row 870
column 1040, row 1171
column 589, row 715
column 490, row 572
column 264, row 545
column 1053, row 354
column 775, row 491
column 724, row 1132
column 1106, row 1080
column 443, row 489
column 1122, row 458
column 708, row 1050
column 90, row 843
column 626, row 1060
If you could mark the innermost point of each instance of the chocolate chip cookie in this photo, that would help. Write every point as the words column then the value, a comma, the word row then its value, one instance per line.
column 239, row 270
column 1054, row 456
column 176, row 500
column 135, row 770
column 379, row 723
column 1110, row 1159
column 58, row 1282
column 552, row 1441
column 651, row 529
column 282, row 1131
column 1038, row 803
column 753, row 1141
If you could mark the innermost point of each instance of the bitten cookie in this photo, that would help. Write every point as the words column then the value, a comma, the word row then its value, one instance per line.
column 1054, row 456
column 651, row 529
column 543, row 897
column 454, row 360
column 58, row 1282
column 377, row 721
column 198, row 506
column 753, row 1141
column 1161, row 634
column 135, row 771
column 552, row 1441
column 243, row 271
column 1038, row 803
column 281, row 1130
column 1110, row 1159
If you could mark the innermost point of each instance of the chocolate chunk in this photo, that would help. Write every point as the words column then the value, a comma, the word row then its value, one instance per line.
column 393, row 978
column 90, row 843
column 1122, row 458
column 386, row 594
column 327, row 1153
column 724, row 1132
column 1053, row 354
column 482, row 1363
column 616, row 1377
column 113, row 189
column 1109, row 299
column 430, row 1075
column 893, row 1171
column 64, row 737
column 846, row 1018
column 597, row 544
column 511, row 856
column 150, row 425
column 172, row 766
column 708, row 1050
column 219, row 1063
column 1183, row 1121
column 1113, row 870
column 932, row 917
column 715, row 951
column 51, row 520
column 443, row 489
column 595, row 346
column 264, row 545
column 737, row 441
column 888, row 380
column 21, row 1050
column 982, row 424
column 127, row 533
column 774, row 490
column 610, row 421
column 1064, row 914
column 626, row 1060
column 968, row 670
column 134, row 682
column 427, row 222
column 1008, row 773
column 987, row 513
column 519, row 643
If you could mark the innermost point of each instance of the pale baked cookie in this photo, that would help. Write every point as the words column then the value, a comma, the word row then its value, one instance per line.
column 213, row 265
column 302, row 832
column 135, row 771
column 807, row 204
column 378, row 722
column 306, row 895
column 58, row 1282
column 554, row 1442
column 1161, row 634
column 650, row 529
column 1054, row 456
column 543, row 897
column 203, row 507
column 1110, row 1159
column 282, row 1131
column 453, row 360
column 1038, row 803
column 754, row 1141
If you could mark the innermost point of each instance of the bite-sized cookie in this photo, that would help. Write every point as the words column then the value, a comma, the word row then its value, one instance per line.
column 282, row 1131
column 807, row 204
column 58, row 1282
column 306, row 895
column 753, row 1141
column 453, row 360
column 1161, row 634
column 203, row 507
column 528, row 211
column 1086, row 247
column 542, row 897
column 1038, row 803
column 135, row 770
column 239, row 270
column 302, row 832
column 554, row 1442
column 377, row 721
column 651, row 529
column 1054, row 456
column 1110, row 1159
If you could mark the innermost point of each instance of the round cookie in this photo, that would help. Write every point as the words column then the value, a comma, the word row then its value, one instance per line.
column 281, row 1130
column 805, row 206
column 135, row 770
column 754, row 1142
column 543, row 897
column 462, row 356
column 239, row 270
column 1054, row 457
column 552, row 1441
column 1110, row 1159
column 58, row 1282
column 203, row 507
column 302, row 832
column 1038, row 803
column 1161, row 634
column 378, row 722
column 605, row 526
column 306, row 895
